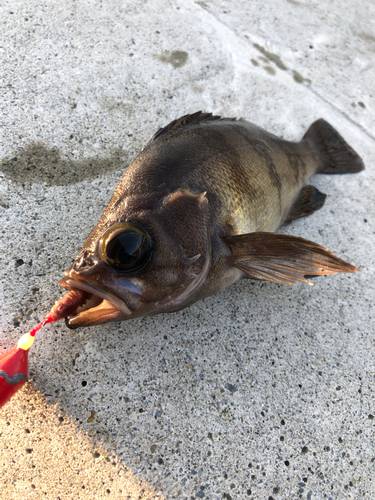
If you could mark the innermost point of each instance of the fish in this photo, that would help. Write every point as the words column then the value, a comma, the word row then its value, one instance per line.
column 197, row 211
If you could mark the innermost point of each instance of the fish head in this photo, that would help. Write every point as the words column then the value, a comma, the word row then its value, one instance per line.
column 142, row 259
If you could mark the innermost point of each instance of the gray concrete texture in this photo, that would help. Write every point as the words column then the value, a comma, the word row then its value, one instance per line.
column 261, row 391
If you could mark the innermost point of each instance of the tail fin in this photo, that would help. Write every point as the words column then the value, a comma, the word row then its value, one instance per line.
column 336, row 156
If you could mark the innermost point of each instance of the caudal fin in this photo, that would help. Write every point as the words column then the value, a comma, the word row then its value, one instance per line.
column 336, row 156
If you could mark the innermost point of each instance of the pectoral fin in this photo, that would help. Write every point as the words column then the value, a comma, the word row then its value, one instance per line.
column 282, row 258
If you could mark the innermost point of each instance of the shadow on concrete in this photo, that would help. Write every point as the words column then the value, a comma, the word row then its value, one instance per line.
column 38, row 164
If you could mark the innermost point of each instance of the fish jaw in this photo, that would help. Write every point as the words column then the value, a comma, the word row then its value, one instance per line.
column 102, row 306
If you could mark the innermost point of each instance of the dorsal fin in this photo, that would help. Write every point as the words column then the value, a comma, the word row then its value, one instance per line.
column 185, row 121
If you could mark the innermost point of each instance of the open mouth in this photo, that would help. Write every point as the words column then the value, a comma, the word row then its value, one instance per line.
column 100, row 306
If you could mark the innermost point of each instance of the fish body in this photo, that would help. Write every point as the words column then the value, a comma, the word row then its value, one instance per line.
column 196, row 212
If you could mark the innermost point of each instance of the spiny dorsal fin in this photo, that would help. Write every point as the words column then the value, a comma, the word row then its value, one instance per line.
column 185, row 121
column 281, row 258
column 309, row 200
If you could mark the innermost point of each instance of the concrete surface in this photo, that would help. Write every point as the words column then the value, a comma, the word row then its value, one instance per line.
column 261, row 391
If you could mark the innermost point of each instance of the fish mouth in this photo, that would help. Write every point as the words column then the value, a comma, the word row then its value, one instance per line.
column 102, row 305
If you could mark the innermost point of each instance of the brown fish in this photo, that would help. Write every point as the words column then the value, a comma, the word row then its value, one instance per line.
column 196, row 212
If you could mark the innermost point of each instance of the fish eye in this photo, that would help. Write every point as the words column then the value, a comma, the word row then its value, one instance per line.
column 125, row 247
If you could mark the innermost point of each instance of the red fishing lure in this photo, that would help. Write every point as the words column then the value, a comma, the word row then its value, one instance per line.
column 14, row 363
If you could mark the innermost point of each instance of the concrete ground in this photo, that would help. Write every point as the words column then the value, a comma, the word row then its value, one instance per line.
column 262, row 391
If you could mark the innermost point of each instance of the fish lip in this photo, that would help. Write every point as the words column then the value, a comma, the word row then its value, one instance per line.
column 105, row 312
column 113, row 305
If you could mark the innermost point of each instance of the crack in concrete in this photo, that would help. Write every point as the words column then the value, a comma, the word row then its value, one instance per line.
column 293, row 73
column 342, row 113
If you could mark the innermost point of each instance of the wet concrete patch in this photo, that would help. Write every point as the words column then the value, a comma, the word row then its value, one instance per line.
column 298, row 4
column 272, row 57
column 299, row 78
column 177, row 58
column 270, row 70
column 367, row 37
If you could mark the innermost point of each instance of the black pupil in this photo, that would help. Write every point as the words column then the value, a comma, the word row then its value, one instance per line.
column 127, row 250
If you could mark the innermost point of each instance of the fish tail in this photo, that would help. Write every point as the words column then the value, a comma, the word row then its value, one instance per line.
column 336, row 156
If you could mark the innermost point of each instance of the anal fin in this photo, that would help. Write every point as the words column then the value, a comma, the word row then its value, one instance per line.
column 309, row 200
column 282, row 258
